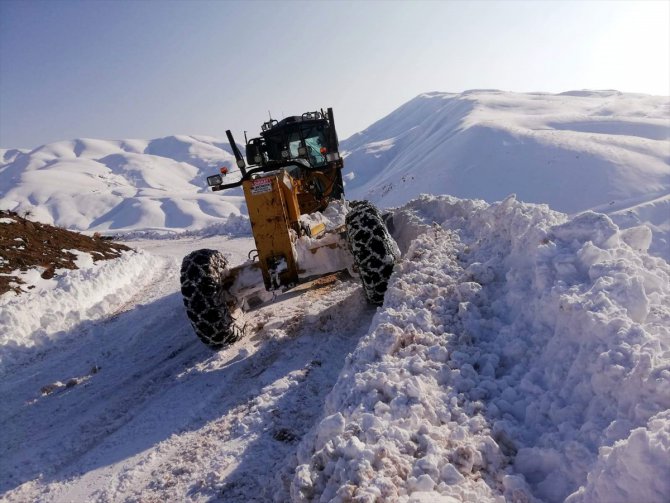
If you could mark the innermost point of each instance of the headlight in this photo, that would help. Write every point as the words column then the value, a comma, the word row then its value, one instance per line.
column 214, row 180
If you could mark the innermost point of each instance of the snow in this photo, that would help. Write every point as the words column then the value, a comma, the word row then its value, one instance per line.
column 521, row 354
column 33, row 321
column 328, row 251
column 514, row 349
column 132, row 405
column 585, row 150
column 31, row 278
column 621, row 472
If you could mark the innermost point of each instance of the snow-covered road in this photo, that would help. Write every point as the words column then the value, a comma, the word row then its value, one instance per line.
column 133, row 406
column 520, row 355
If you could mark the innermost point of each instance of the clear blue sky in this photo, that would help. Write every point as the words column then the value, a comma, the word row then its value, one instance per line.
column 145, row 69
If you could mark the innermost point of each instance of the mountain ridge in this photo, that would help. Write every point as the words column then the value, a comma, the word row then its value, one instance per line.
column 574, row 151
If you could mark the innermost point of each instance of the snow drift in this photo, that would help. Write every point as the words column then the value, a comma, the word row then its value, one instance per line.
column 518, row 353
column 36, row 319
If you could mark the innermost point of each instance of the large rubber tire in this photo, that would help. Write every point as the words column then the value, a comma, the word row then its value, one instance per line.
column 202, row 274
column 374, row 250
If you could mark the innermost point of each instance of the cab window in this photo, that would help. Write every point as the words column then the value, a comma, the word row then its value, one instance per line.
column 315, row 140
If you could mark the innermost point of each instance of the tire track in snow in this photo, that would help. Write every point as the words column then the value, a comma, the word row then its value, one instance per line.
column 242, row 454
column 165, row 416
column 48, row 433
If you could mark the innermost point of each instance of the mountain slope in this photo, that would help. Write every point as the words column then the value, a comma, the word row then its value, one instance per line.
column 119, row 185
column 574, row 151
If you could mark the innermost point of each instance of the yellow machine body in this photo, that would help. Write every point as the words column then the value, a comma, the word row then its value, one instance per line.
column 273, row 210
column 275, row 202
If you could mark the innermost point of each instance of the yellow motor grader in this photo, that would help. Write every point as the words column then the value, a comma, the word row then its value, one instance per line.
column 302, row 226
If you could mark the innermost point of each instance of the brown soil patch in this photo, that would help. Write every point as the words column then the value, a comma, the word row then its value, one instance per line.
column 25, row 244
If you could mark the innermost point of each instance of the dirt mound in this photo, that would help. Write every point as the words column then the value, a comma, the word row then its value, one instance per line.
column 25, row 244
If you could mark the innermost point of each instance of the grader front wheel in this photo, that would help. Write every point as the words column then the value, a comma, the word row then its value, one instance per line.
column 374, row 250
column 202, row 275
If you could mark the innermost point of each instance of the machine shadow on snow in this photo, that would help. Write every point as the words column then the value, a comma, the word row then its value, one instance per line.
column 150, row 386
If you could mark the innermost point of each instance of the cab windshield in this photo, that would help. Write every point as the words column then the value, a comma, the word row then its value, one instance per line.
column 315, row 135
column 315, row 140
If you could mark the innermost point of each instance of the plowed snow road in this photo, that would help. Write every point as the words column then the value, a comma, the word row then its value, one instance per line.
column 133, row 407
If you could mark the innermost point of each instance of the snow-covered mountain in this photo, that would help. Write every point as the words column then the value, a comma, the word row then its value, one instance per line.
column 601, row 150
column 101, row 185
column 574, row 151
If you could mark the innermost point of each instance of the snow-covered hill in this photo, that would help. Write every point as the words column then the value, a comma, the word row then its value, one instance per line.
column 574, row 151
column 579, row 150
column 102, row 185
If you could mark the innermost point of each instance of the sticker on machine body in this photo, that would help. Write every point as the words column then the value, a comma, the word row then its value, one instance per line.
column 261, row 186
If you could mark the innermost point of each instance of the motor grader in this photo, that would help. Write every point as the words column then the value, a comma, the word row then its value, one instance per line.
column 303, row 228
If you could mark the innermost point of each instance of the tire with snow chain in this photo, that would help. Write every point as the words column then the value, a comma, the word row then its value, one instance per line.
column 202, row 274
column 374, row 250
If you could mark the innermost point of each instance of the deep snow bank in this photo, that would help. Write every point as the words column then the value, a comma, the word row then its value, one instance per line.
column 40, row 318
column 519, row 354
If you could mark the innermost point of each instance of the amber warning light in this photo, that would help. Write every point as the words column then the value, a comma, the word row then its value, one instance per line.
column 324, row 150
